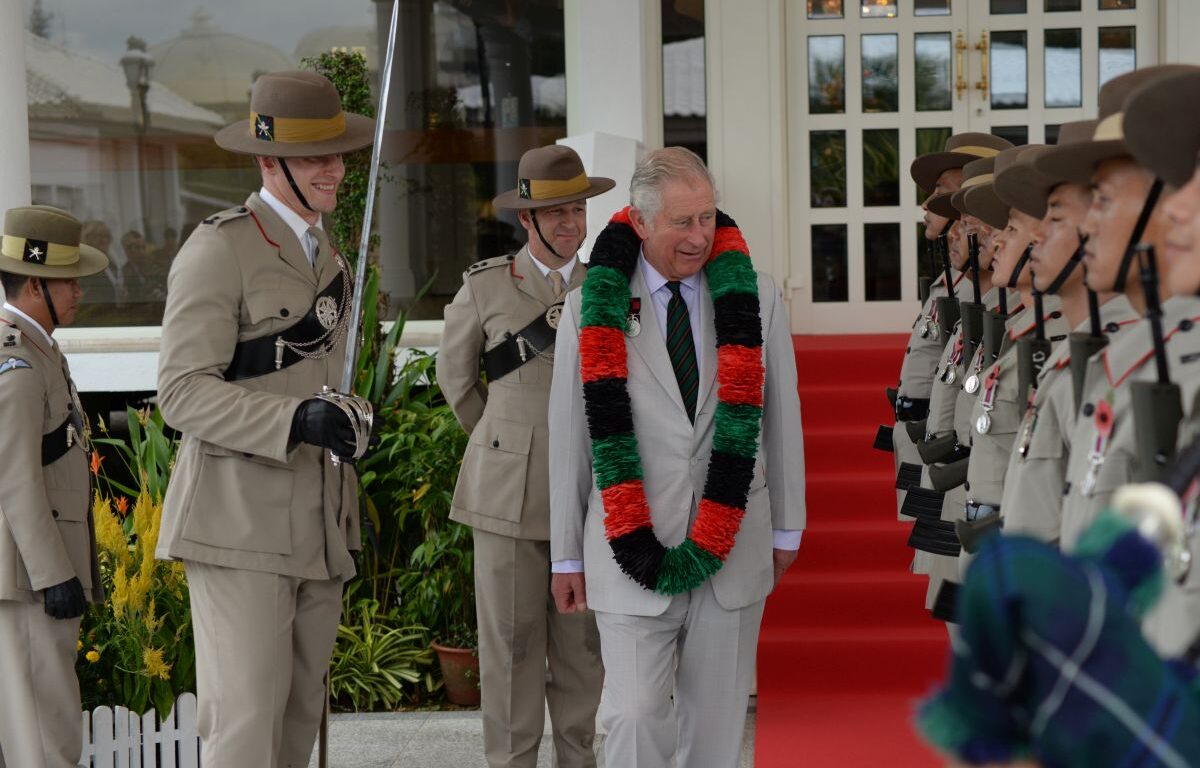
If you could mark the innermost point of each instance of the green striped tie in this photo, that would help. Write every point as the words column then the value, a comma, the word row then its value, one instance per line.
column 682, row 349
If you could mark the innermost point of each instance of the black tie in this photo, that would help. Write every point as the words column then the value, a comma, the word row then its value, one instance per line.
column 682, row 349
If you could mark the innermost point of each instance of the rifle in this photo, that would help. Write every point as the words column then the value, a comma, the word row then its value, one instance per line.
column 1157, row 405
column 1084, row 346
column 947, row 306
column 972, row 311
column 1032, row 353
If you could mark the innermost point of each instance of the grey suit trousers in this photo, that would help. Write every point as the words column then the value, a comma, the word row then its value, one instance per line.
column 263, row 643
column 520, row 635
column 678, row 684
column 40, row 724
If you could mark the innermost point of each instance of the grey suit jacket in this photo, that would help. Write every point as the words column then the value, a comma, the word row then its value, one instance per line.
column 674, row 455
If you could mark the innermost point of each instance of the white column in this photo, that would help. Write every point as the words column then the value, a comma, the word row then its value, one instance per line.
column 747, row 124
column 14, row 117
column 614, row 68
column 1179, row 28
column 613, row 157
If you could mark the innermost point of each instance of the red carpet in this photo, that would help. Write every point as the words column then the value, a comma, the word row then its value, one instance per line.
column 846, row 645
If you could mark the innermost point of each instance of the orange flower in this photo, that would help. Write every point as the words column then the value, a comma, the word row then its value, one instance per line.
column 96, row 461
column 122, row 506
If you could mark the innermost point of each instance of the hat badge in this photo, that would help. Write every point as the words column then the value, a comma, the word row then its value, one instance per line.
column 523, row 189
column 264, row 128
column 35, row 251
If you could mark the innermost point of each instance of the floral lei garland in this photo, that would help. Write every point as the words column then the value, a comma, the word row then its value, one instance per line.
column 733, row 285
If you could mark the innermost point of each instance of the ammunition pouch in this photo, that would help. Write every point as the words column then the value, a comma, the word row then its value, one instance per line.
column 922, row 503
column 943, row 477
column 908, row 476
column 915, row 430
column 971, row 533
column 935, row 536
column 938, row 449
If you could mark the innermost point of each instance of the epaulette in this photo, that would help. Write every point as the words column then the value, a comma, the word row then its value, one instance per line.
column 495, row 261
column 229, row 214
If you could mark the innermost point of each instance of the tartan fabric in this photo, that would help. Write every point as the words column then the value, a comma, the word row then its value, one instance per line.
column 1052, row 665
column 681, row 348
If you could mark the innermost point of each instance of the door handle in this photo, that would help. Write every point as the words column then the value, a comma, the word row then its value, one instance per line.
column 982, row 46
column 960, row 80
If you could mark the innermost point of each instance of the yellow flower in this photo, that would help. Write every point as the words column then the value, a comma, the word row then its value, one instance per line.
column 109, row 536
column 93, row 656
column 120, row 595
column 155, row 666
column 78, row 645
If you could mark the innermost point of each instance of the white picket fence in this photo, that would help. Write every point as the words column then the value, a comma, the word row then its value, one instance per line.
column 118, row 738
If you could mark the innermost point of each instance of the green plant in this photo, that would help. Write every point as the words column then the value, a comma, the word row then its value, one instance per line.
column 375, row 661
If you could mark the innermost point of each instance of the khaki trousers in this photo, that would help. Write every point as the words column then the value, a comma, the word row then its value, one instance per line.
column 678, row 684
column 520, row 633
column 263, row 643
column 40, row 724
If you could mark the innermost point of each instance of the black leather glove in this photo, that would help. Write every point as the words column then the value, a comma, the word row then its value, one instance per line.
column 66, row 600
column 318, row 422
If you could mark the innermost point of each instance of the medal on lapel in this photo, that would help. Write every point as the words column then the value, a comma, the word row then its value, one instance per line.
column 1028, row 424
column 949, row 375
column 633, row 321
column 1104, row 427
column 971, row 385
column 983, row 424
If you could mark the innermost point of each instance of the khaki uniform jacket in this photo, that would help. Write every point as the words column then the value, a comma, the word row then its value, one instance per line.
column 46, row 531
column 1129, row 358
column 504, row 484
column 922, row 353
column 1033, row 481
column 242, row 495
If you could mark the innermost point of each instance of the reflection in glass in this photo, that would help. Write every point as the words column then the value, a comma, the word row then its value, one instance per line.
column 932, row 53
column 829, row 267
column 878, row 9
column 880, row 79
column 1013, row 134
column 824, row 9
column 1052, row 134
column 881, row 167
column 881, row 262
column 1118, row 52
column 1007, row 6
column 1009, row 70
column 827, row 168
column 826, row 74
column 1054, row 6
column 1064, row 68
column 1117, row 5
column 931, row 8
column 930, row 140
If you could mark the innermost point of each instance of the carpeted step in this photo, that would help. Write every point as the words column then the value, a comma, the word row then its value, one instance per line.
column 839, row 547
column 812, row 661
column 851, row 496
column 853, row 601
column 831, row 450
column 843, row 359
column 850, row 407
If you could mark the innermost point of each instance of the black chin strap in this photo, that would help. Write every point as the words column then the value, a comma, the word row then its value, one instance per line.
column 287, row 173
column 1068, row 268
column 545, row 242
column 1016, row 273
column 1136, row 236
column 49, row 301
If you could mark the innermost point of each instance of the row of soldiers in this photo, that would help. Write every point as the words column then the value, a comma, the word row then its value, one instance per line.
column 1053, row 360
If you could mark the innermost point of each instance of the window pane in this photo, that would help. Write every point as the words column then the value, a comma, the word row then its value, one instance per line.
column 930, row 140
column 1009, row 75
column 1014, row 134
column 1064, row 68
column 1052, row 134
column 829, row 268
column 1118, row 52
column 1053, row 6
column 880, row 84
column 826, row 74
column 878, row 8
column 824, row 9
column 881, row 167
column 881, row 254
column 827, row 164
column 1007, row 6
column 926, row 256
column 932, row 53
column 931, row 8
column 1117, row 5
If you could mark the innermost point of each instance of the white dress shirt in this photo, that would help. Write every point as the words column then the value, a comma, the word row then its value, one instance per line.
column 296, row 223
column 566, row 270
column 31, row 321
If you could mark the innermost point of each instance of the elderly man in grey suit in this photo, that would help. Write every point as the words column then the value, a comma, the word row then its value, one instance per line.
column 676, row 466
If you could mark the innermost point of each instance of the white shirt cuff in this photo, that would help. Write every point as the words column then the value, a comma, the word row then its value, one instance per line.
column 567, row 566
column 789, row 540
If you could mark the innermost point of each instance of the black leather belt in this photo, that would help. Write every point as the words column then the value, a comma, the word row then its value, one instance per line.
column 258, row 357
column 911, row 409
column 521, row 347
column 975, row 511
column 54, row 444
column 922, row 503
column 945, row 604
column 935, row 536
column 883, row 439
column 907, row 476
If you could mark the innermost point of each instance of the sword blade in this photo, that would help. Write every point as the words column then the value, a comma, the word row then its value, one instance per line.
column 360, row 270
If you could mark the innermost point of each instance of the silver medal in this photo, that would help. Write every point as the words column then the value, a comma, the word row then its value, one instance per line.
column 924, row 333
column 972, row 384
column 327, row 312
column 983, row 424
column 951, row 375
column 633, row 325
column 1089, row 480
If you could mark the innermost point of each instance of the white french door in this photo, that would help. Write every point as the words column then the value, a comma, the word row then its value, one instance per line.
column 872, row 84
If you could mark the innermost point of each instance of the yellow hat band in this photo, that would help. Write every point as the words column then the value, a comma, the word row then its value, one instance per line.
column 1110, row 128
column 548, row 189
column 296, row 130
column 975, row 181
column 39, row 251
column 977, row 151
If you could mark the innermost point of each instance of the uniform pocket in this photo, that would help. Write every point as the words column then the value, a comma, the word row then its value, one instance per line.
column 240, row 504
column 492, row 479
column 282, row 306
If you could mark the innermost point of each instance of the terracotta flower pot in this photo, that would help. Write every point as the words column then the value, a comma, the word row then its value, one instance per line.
column 460, row 672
